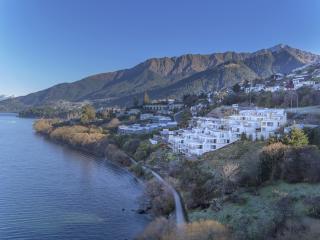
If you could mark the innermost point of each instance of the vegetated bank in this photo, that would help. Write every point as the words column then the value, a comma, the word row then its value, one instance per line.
column 99, row 138
column 247, row 190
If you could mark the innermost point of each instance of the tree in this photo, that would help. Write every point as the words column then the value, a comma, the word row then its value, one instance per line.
column 184, row 118
column 236, row 88
column 88, row 114
column 313, row 135
column 146, row 98
column 190, row 100
column 297, row 138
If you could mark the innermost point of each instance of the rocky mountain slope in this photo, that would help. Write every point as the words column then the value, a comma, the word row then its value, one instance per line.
column 175, row 76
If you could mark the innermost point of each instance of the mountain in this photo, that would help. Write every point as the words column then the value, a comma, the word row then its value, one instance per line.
column 172, row 76
column 3, row 97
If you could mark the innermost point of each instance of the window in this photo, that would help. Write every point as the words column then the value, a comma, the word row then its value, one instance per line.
column 270, row 124
column 213, row 146
column 200, row 146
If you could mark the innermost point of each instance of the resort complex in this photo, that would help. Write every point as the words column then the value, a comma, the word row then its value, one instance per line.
column 208, row 134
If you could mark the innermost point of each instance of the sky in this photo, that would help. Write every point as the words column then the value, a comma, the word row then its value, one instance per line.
column 46, row 42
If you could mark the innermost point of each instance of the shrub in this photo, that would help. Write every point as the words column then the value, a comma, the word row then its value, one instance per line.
column 296, row 138
column 302, row 164
column 113, row 123
column 44, row 126
column 138, row 170
column 313, row 136
column 77, row 135
column 113, row 153
column 158, row 229
column 202, row 230
column 131, row 146
column 143, row 150
column 313, row 207
column 271, row 158
column 292, row 164
column 161, row 229
column 201, row 184
column 161, row 199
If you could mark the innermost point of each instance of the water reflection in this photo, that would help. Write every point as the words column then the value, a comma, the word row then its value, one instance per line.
column 51, row 192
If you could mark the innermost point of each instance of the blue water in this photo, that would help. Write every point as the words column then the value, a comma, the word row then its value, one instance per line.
column 48, row 191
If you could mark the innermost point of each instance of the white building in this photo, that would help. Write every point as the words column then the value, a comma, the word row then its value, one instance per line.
column 209, row 134
column 256, row 88
column 304, row 84
column 157, row 122
column 273, row 88
column 146, row 116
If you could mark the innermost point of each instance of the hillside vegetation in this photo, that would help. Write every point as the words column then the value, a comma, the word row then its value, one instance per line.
column 167, row 77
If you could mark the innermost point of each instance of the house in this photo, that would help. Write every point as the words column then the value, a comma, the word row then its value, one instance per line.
column 134, row 111
column 146, row 116
column 316, row 86
column 208, row 134
column 163, row 122
column 273, row 88
column 256, row 88
column 164, row 106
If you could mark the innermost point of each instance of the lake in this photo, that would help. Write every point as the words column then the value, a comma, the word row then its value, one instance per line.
column 48, row 191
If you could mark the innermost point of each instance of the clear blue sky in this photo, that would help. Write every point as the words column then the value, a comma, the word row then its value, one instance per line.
column 43, row 43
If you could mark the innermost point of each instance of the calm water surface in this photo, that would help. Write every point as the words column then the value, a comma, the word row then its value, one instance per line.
column 51, row 192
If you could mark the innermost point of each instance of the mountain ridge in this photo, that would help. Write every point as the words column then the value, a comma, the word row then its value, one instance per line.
column 174, row 76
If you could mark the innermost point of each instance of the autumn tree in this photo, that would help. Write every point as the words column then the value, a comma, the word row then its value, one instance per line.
column 88, row 114
column 146, row 98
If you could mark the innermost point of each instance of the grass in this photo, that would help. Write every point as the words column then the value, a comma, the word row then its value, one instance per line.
column 238, row 152
column 260, row 213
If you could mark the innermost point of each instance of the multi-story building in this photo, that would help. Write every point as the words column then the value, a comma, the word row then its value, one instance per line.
column 208, row 134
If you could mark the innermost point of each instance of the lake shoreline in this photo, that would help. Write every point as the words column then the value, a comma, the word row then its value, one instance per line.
column 110, row 152
column 50, row 189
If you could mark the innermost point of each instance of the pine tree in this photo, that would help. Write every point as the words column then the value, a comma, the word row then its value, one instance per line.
column 297, row 138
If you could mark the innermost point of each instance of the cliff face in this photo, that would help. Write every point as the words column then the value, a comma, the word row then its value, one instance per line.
column 165, row 77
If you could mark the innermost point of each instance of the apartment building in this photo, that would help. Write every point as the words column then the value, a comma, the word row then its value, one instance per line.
column 208, row 134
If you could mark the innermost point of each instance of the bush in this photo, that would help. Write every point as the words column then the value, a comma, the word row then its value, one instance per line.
column 161, row 229
column 201, row 184
column 44, row 126
column 113, row 153
column 313, row 136
column 114, row 123
column 296, row 138
column 143, row 151
column 138, row 170
column 202, row 230
column 158, row 229
column 302, row 164
column 313, row 207
column 161, row 199
column 77, row 135
column 292, row 164
column 131, row 146
column 271, row 158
